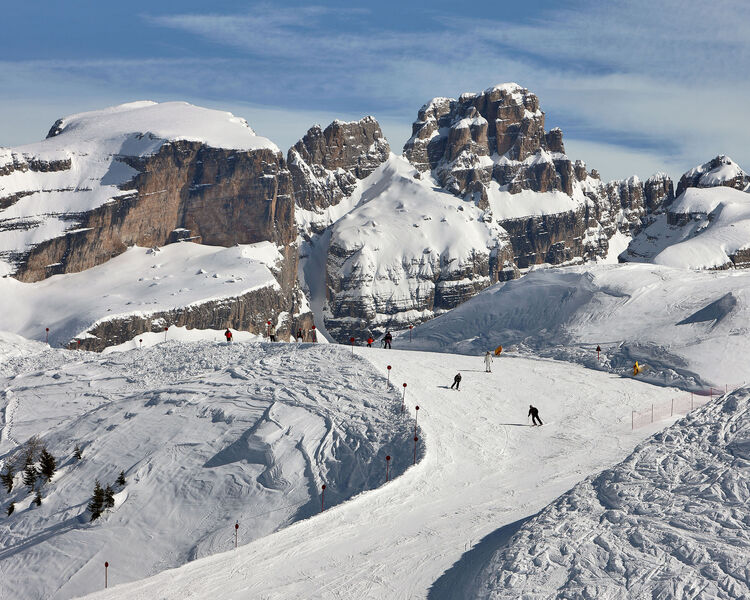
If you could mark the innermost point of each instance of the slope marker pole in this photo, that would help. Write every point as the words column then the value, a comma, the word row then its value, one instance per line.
column 387, row 465
column 323, row 498
column 416, row 416
column 106, row 566
column 403, row 399
column 236, row 527
column 416, row 439
column 388, row 383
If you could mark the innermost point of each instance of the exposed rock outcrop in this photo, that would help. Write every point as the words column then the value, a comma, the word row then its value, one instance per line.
column 327, row 163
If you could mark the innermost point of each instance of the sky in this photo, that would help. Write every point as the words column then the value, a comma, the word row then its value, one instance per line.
column 637, row 86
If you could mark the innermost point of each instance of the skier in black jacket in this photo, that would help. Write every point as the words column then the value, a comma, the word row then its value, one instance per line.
column 534, row 414
column 387, row 339
column 456, row 381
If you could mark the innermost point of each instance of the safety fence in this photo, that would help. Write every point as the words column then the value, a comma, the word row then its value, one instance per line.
column 680, row 405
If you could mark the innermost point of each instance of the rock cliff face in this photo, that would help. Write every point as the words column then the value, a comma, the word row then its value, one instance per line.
column 326, row 164
column 491, row 148
column 99, row 184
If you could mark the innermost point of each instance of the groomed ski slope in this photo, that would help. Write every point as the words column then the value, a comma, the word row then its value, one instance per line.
column 483, row 473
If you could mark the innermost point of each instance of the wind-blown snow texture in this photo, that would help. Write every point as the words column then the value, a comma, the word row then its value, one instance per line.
column 670, row 522
column 206, row 434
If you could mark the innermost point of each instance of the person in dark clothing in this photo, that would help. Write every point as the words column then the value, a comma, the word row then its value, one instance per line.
column 456, row 381
column 387, row 339
column 228, row 335
column 300, row 336
column 534, row 414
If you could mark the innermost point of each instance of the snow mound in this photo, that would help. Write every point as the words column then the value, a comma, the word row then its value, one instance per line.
column 680, row 322
column 670, row 522
column 206, row 434
column 141, row 281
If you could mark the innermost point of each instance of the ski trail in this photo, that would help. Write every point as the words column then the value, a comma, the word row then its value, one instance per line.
column 480, row 472
column 8, row 413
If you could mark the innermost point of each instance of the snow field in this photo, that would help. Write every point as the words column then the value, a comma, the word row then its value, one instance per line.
column 483, row 469
column 206, row 434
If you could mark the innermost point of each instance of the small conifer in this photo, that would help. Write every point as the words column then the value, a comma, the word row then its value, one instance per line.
column 121, row 479
column 109, row 497
column 38, row 498
column 29, row 477
column 6, row 477
column 96, row 505
column 48, row 465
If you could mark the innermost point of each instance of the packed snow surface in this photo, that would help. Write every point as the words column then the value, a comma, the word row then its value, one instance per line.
column 483, row 468
column 670, row 522
column 40, row 200
column 632, row 311
column 141, row 281
column 207, row 435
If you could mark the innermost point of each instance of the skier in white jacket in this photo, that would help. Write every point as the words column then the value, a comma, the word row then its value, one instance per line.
column 488, row 362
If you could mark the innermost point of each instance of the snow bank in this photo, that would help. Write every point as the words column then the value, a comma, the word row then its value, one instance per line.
column 670, row 522
column 140, row 281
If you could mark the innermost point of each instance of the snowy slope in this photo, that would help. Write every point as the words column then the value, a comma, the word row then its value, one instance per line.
column 670, row 522
column 44, row 185
column 483, row 469
column 140, row 281
column 206, row 434
column 689, row 327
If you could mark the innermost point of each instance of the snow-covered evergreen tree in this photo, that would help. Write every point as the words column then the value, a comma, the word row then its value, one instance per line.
column 29, row 476
column 96, row 505
column 48, row 465
column 6, row 477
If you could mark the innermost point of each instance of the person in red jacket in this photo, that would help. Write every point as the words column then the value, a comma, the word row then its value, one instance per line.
column 228, row 335
column 369, row 342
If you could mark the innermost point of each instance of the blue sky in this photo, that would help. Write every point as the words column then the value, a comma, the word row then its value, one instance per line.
column 637, row 86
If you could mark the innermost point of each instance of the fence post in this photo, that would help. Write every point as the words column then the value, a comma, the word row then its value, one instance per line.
column 652, row 413
column 671, row 414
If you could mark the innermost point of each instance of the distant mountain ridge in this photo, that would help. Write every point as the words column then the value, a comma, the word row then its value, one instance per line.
column 481, row 194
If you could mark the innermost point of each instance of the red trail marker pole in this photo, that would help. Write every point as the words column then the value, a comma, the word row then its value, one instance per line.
column 403, row 399
column 416, row 439
column 106, row 566
column 416, row 416
column 236, row 527
column 351, row 341
column 323, row 498
column 165, row 333
column 410, row 328
column 387, row 465
column 46, row 329
column 387, row 383
column 314, row 335
column 141, row 342
column 598, row 350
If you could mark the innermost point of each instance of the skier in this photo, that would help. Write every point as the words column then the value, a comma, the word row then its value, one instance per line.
column 300, row 337
column 387, row 340
column 488, row 362
column 272, row 333
column 369, row 342
column 228, row 335
column 456, row 381
column 534, row 414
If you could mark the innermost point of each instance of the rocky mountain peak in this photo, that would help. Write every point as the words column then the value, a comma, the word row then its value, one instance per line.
column 327, row 163
column 719, row 171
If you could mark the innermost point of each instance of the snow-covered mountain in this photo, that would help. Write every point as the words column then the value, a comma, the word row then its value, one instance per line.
column 670, row 522
column 147, row 174
column 406, row 251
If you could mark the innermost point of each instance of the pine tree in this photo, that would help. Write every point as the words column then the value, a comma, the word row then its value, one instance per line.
column 77, row 452
column 97, row 501
column 11, row 508
column 6, row 477
column 38, row 498
column 29, row 477
column 109, row 497
column 48, row 464
column 121, row 479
